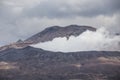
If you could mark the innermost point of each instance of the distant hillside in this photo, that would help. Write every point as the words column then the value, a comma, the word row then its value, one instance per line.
column 36, row 64
column 56, row 31
column 49, row 34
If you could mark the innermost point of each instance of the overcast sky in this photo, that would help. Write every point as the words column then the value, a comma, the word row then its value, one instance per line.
column 20, row 19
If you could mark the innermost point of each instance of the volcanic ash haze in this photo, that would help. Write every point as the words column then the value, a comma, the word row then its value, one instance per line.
column 99, row 40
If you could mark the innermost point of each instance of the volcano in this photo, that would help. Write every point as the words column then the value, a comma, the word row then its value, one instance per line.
column 20, row 61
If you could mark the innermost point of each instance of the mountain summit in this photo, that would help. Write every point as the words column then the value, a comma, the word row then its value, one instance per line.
column 56, row 31
column 19, row 61
column 49, row 34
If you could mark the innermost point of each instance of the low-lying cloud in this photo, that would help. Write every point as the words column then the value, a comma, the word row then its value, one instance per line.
column 101, row 40
column 19, row 19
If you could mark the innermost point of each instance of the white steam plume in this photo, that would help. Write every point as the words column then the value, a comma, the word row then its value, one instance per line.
column 99, row 40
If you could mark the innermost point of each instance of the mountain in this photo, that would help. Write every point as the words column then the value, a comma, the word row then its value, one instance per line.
column 19, row 61
column 49, row 34
column 36, row 64
column 56, row 31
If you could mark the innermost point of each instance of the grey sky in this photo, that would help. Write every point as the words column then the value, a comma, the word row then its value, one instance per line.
column 23, row 18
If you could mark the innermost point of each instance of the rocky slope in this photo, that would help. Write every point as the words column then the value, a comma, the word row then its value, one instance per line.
column 36, row 64
column 56, row 31
column 49, row 34
column 19, row 61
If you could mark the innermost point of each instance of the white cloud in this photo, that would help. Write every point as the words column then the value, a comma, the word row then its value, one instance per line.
column 23, row 18
column 20, row 3
column 100, row 40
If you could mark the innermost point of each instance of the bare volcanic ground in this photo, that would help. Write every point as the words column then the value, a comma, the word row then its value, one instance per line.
column 56, row 31
column 36, row 64
column 49, row 34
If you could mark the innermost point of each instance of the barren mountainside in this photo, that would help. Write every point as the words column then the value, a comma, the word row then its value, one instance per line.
column 49, row 34
column 19, row 61
column 56, row 31
column 36, row 64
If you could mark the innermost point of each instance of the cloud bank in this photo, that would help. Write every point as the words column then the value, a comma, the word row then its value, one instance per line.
column 19, row 19
column 100, row 40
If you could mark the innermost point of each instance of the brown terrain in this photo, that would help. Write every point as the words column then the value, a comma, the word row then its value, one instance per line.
column 36, row 64
column 19, row 61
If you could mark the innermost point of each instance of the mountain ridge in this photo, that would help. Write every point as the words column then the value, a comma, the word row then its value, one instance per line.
column 57, row 31
column 20, row 61
column 37, row 64
column 49, row 34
